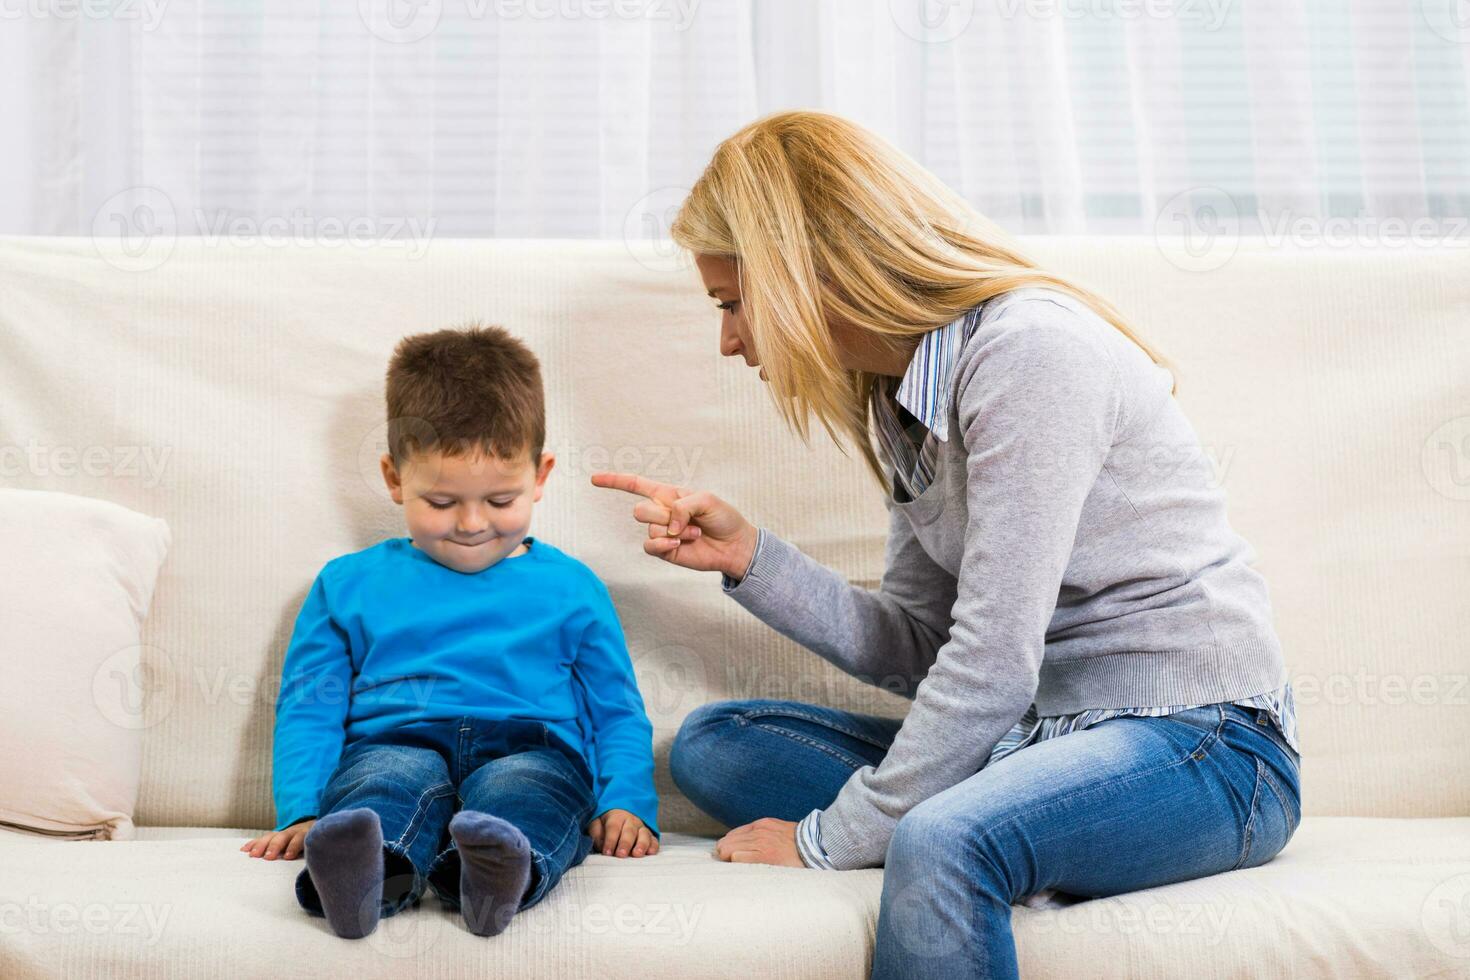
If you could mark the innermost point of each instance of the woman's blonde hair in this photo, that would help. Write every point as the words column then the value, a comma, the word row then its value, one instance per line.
column 827, row 222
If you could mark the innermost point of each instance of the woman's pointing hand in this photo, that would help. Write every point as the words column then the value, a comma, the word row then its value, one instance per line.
column 690, row 528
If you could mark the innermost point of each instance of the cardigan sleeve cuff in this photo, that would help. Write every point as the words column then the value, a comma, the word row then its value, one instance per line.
column 844, row 850
column 759, row 573
column 764, row 584
column 809, row 842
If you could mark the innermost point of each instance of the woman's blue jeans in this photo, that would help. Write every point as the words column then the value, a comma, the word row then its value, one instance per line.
column 416, row 776
column 1127, row 804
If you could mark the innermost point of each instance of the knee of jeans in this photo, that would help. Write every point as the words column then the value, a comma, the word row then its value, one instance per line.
column 926, row 835
column 695, row 739
column 937, row 836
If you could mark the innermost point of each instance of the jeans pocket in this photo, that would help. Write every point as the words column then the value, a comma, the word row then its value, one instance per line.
column 1278, row 762
column 1207, row 720
column 1273, row 818
column 1259, row 721
column 1287, row 797
column 1205, row 716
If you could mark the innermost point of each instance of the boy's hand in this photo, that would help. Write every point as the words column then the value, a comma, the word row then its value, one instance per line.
column 286, row 844
column 620, row 831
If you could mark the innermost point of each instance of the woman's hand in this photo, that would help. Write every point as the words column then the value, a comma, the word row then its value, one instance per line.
column 692, row 529
column 767, row 841
column 286, row 844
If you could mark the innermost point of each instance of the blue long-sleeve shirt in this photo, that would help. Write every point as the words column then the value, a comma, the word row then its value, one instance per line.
column 387, row 635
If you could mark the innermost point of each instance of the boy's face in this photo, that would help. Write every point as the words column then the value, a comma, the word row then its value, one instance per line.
column 467, row 512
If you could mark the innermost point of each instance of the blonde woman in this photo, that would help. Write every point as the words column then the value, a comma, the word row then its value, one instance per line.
column 1099, row 699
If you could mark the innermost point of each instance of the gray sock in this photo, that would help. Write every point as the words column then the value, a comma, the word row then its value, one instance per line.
column 344, row 854
column 494, row 870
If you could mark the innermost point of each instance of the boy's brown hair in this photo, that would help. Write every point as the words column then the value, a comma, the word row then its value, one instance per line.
column 466, row 390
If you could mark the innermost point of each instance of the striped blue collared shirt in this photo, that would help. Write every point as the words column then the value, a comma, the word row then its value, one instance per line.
column 911, row 420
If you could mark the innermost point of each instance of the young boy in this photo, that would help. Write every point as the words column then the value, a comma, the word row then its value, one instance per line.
column 457, row 707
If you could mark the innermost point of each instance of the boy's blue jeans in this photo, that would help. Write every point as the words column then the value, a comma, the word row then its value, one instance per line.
column 417, row 776
column 1127, row 804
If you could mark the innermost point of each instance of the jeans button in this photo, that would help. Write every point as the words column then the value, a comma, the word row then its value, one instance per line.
column 1197, row 756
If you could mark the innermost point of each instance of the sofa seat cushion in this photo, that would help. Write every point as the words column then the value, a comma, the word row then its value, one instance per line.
column 1348, row 897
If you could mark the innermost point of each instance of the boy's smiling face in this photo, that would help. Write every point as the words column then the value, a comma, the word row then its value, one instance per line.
column 467, row 512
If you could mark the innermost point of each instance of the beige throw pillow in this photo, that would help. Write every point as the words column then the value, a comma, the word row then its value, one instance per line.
column 76, row 580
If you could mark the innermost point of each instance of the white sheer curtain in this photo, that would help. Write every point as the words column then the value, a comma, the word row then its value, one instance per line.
column 587, row 118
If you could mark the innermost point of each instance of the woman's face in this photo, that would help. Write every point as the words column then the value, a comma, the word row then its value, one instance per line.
column 722, row 282
column 856, row 349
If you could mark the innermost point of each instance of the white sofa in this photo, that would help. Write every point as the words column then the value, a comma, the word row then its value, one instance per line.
column 1331, row 390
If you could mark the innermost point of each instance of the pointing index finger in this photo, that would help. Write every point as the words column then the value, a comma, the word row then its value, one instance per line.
column 633, row 483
